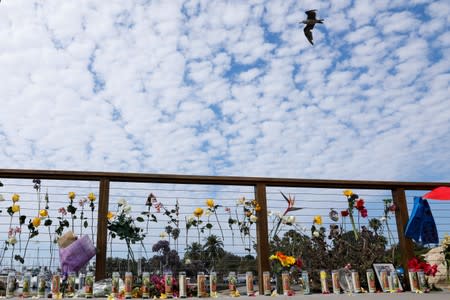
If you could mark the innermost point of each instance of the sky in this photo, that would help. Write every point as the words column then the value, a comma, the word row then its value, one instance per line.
column 227, row 88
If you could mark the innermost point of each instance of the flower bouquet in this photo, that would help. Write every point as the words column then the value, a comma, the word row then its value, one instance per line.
column 282, row 263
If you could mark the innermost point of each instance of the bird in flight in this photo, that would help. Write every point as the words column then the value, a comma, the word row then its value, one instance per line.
column 310, row 22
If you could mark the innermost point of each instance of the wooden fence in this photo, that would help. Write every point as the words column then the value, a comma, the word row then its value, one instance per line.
column 258, row 183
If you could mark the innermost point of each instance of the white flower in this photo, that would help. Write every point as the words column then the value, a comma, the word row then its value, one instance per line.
column 190, row 219
column 2, row 198
column 163, row 235
column 290, row 220
column 383, row 219
column 207, row 213
column 241, row 201
column 270, row 213
column 122, row 202
column 12, row 240
column 187, row 261
column 126, row 208
column 253, row 218
column 316, row 233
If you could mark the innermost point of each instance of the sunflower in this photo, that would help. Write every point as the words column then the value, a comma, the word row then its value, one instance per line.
column 198, row 212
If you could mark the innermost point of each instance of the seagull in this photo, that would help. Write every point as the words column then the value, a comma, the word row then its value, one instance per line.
column 310, row 22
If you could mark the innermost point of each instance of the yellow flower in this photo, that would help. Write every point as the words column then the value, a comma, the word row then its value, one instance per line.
column 110, row 215
column 91, row 197
column 15, row 197
column 71, row 195
column 318, row 220
column 15, row 208
column 198, row 212
column 43, row 213
column 36, row 222
column 348, row 193
column 210, row 202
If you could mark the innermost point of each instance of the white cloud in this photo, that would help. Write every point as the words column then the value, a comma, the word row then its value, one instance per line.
column 226, row 87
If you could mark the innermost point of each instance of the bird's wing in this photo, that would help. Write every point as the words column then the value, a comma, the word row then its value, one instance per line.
column 311, row 14
column 308, row 33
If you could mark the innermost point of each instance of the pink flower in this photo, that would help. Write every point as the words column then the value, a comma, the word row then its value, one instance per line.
column 393, row 207
column 62, row 211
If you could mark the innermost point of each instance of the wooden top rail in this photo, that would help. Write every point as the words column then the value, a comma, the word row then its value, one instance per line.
column 216, row 180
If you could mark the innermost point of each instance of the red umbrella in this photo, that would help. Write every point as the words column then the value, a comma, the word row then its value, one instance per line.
column 440, row 193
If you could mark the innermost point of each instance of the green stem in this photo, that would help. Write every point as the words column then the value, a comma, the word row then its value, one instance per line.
column 198, row 229
column 51, row 247
column 353, row 224
column 218, row 223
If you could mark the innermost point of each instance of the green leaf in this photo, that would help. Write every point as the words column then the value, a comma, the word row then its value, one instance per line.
column 85, row 224
column 34, row 233
column 48, row 222
column 71, row 209
column 140, row 219
column 19, row 258
column 209, row 225
column 22, row 219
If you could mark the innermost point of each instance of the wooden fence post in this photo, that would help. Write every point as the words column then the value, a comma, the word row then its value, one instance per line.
column 262, row 235
column 406, row 245
column 102, row 229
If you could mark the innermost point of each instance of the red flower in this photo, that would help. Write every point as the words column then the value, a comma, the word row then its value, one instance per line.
column 299, row 263
column 363, row 212
column 360, row 204
column 344, row 213
column 413, row 264
column 393, row 207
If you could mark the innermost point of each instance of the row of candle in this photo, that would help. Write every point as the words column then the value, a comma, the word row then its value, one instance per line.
column 389, row 282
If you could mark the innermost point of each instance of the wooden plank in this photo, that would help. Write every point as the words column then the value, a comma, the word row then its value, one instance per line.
column 217, row 180
column 262, row 236
column 406, row 245
column 102, row 230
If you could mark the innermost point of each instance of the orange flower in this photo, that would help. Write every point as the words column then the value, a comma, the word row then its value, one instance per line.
column 71, row 195
column 348, row 193
column 15, row 197
column 198, row 212
column 36, row 222
column 110, row 215
column 210, row 202
column 92, row 197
